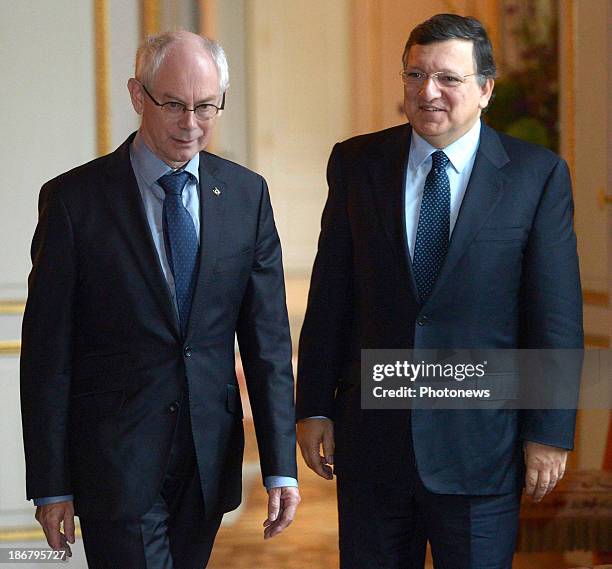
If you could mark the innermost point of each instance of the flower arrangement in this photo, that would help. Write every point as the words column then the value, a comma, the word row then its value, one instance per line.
column 526, row 103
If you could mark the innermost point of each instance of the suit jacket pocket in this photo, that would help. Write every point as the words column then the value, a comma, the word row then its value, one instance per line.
column 500, row 234
column 234, row 405
column 502, row 385
column 97, row 404
column 232, row 262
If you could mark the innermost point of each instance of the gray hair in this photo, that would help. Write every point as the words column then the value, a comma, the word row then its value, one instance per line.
column 153, row 49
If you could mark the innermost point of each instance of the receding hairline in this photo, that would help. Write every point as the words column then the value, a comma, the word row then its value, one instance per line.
column 155, row 49
column 183, row 50
column 465, row 40
column 448, row 27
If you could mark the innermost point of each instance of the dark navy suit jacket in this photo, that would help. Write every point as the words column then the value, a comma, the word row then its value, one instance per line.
column 103, row 362
column 510, row 280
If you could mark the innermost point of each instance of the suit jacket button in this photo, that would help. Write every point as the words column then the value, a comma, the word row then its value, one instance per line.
column 422, row 320
column 187, row 352
column 173, row 407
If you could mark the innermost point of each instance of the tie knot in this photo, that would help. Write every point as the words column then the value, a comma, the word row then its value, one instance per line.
column 174, row 183
column 439, row 160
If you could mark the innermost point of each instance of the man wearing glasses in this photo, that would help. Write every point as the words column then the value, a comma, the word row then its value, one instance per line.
column 438, row 234
column 146, row 263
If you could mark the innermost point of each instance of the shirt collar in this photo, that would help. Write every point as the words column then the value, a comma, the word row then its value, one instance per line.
column 459, row 152
column 151, row 168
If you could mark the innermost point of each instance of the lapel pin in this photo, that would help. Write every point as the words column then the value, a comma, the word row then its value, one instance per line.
column 217, row 191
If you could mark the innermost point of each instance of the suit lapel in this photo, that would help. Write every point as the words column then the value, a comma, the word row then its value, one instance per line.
column 388, row 175
column 125, row 201
column 484, row 190
column 213, row 196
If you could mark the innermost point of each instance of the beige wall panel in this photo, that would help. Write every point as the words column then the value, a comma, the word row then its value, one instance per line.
column 229, row 27
column 397, row 19
column 47, row 117
column 608, row 190
column 179, row 14
column 597, row 320
column 124, row 39
column 380, row 29
column 592, row 106
column 592, row 438
column 299, row 96
column 592, row 171
column 14, row 509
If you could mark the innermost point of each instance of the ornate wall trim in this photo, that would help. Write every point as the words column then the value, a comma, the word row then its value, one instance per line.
column 596, row 297
column 207, row 24
column 28, row 534
column 12, row 306
column 10, row 347
column 102, row 76
column 596, row 341
column 567, row 103
column 150, row 17
column 366, row 51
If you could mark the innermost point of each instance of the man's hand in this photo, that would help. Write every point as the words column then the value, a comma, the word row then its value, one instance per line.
column 282, row 504
column 50, row 517
column 311, row 435
column 545, row 467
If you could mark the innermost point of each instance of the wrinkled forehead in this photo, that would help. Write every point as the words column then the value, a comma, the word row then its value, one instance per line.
column 187, row 65
column 449, row 54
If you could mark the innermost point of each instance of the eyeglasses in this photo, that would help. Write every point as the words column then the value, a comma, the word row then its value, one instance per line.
column 442, row 78
column 175, row 109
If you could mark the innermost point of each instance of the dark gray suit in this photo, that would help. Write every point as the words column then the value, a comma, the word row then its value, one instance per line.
column 104, row 369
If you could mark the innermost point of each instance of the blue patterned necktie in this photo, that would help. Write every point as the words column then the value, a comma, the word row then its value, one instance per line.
column 181, row 243
column 434, row 227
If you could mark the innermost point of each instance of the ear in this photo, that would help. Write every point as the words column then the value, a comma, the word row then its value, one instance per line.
column 136, row 94
column 486, row 91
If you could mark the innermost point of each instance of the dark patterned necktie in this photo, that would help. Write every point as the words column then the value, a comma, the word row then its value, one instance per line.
column 434, row 227
column 181, row 242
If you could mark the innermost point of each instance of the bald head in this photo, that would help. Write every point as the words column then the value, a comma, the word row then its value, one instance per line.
column 180, row 44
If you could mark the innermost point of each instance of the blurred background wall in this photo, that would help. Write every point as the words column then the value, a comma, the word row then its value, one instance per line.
column 304, row 74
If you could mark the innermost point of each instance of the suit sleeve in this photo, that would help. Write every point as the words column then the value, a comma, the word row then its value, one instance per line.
column 46, row 350
column 323, row 340
column 551, row 307
column 265, row 348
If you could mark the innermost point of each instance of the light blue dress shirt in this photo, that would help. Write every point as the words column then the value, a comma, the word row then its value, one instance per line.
column 461, row 155
column 148, row 168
